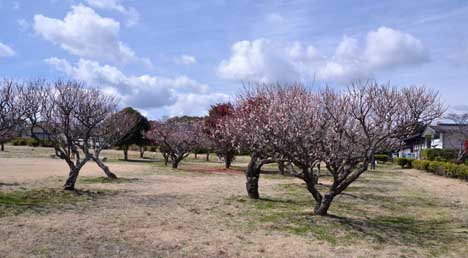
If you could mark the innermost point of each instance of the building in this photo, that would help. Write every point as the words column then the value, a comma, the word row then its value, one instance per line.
column 440, row 136
column 26, row 132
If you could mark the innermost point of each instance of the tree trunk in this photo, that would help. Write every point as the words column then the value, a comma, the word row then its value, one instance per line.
column 175, row 162
column 72, row 176
column 228, row 159
column 2, row 146
column 372, row 161
column 252, row 175
column 166, row 158
column 321, row 208
column 208, row 156
column 125, row 151
column 142, row 151
column 104, row 168
column 281, row 167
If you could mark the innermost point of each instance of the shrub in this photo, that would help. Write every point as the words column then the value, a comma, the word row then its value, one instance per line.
column 439, row 154
column 32, row 142
column 46, row 143
column 382, row 158
column 447, row 169
column 18, row 141
column 404, row 162
column 421, row 164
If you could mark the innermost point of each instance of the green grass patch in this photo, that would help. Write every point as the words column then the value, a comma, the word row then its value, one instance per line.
column 43, row 200
column 106, row 180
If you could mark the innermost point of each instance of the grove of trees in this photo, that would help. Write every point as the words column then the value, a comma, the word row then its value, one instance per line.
column 295, row 126
column 79, row 121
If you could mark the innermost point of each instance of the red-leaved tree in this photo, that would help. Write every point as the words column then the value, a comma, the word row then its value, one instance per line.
column 215, row 127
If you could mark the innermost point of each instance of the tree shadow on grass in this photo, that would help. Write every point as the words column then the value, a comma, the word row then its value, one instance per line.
column 8, row 184
column 141, row 160
column 43, row 200
column 405, row 230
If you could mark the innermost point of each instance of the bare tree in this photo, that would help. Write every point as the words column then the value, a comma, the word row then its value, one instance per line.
column 176, row 137
column 33, row 99
column 109, row 132
column 10, row 110
column 79, row 123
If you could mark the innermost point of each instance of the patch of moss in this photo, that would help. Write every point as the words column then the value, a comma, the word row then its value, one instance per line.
column 106, row 180
column 42, row 200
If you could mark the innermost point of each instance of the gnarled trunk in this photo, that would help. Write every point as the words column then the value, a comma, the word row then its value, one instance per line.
column 2, row 147
column 104, row 168
column 208, row 156
column 166, row 158
column 73, row 175
column 176, row 161
column 252, row 175
column 321, row 208
column 142, row 151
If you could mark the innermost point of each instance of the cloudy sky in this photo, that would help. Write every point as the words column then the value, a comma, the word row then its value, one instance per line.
column 178, row 57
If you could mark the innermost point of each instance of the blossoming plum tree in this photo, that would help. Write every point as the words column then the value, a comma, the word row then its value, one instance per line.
column 343, row 130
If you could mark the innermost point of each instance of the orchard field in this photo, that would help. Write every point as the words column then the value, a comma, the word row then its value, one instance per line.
column 202, row 210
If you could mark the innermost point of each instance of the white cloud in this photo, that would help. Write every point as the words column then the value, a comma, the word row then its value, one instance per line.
column 260, row 60
column 116, row 5
column 390, row 48
column 6, row 51
column 186, row 60
column 145, row 92
column 267, row 61
column 86, row 34
column 195, row 104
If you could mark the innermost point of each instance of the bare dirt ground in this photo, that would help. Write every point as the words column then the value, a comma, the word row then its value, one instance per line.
column 191, row 213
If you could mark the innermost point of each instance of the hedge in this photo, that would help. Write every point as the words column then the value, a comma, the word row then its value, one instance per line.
column 440, row 168
column 382, row 158
column 18, row 141
column 404, row 162
column 439, row 154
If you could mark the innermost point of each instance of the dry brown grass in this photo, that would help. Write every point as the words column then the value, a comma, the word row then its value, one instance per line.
column 166, row 213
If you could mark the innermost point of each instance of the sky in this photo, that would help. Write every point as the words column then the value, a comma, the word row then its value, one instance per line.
column 169, row 58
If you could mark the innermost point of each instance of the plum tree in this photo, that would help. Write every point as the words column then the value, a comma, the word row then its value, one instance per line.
column 215, row 126
column 176, row 137
column 343, row 130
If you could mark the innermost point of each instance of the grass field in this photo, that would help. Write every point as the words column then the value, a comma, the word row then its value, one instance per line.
column 201, row 210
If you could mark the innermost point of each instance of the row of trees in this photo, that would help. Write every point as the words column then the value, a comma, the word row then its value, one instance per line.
column 287, row 124
column 79, row 121
column 300, row 129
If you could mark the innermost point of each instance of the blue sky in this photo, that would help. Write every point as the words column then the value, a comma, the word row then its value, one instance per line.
column 178, row 57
